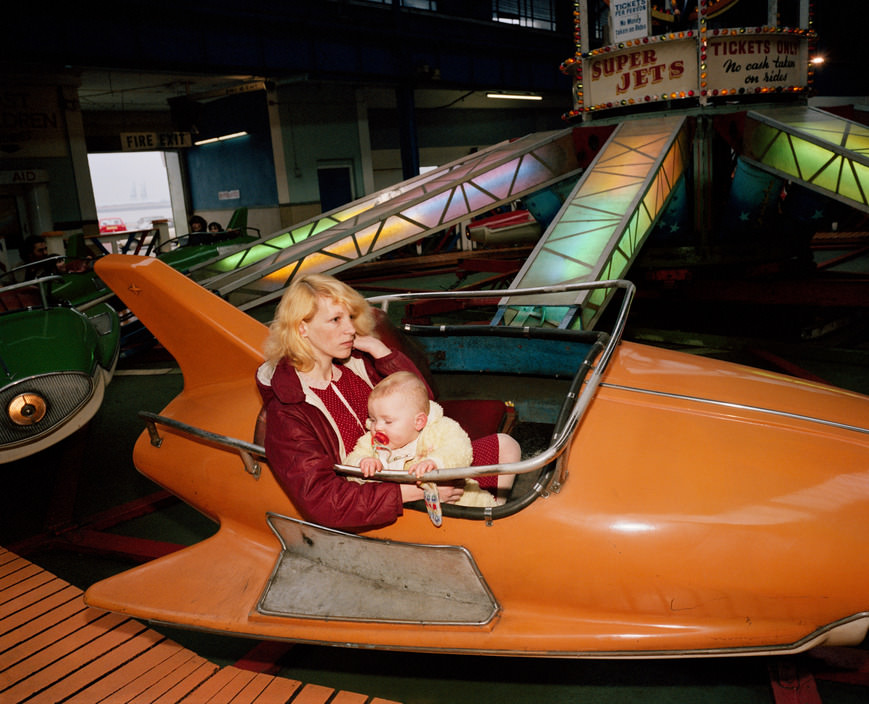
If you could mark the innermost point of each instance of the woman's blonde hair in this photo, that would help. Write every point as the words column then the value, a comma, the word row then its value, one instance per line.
column 299, row 304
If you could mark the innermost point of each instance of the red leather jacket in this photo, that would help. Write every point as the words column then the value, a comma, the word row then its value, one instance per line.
column 302, row 446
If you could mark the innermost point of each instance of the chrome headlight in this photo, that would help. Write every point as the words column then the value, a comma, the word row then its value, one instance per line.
column 34, row 406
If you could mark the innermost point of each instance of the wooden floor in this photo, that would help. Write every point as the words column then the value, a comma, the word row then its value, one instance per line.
column 54, row 648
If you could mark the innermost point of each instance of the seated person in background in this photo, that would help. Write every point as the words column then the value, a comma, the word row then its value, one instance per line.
column 408, row 431
column 197, row 224
column 34, row 251
column 198, row 231
column 34, row 247
column 215, row 227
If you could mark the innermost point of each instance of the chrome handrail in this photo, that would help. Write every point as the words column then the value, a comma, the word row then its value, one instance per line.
column 246, row 450
column 584, row 399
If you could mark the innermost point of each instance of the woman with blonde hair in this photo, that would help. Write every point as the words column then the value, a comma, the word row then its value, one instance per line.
column 321, row 364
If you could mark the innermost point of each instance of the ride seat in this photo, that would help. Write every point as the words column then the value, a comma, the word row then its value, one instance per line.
column 19, row 299
column 480, row 417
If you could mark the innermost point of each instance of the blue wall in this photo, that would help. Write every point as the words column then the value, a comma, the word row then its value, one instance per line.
column 245, row 164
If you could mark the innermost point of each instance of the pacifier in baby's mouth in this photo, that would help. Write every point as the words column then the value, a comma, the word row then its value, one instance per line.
column 381, row 438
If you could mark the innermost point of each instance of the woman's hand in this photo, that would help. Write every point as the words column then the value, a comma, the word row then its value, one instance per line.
column 447, row 493
column 450, row 493
column 372, row 345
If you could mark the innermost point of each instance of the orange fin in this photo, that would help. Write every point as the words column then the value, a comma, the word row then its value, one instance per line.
column 211, row 340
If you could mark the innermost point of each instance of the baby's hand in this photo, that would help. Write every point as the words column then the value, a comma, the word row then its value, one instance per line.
column 370, row 466
column 422, row 467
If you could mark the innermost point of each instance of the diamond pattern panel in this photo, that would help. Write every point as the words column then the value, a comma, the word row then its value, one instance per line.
column 398, row 216
column 826, row 153
column 606, row 219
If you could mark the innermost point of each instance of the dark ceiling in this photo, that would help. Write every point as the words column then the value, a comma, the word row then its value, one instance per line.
column 138, row 55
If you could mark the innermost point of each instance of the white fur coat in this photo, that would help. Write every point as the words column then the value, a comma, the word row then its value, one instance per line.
column 443, row 441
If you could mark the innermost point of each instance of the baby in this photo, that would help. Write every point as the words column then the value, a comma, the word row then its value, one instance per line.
column 410, row 432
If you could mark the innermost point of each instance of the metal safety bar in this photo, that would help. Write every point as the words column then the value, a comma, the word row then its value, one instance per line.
column 588, row 390
column 246, row 450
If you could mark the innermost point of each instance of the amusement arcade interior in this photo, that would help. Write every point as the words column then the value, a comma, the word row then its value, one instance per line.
column 701, row 150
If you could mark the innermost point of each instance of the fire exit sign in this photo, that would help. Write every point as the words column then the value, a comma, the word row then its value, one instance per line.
column 152, row 141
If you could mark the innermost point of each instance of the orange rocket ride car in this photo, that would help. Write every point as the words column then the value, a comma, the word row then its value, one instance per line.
column 678, row 507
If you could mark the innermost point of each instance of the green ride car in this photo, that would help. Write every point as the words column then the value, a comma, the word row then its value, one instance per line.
column 187, row 251
column 57, row 356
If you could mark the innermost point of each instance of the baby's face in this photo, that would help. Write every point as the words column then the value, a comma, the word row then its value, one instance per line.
column 393, row 423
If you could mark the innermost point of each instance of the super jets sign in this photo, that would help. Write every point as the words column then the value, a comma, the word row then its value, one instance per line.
column 642, row 73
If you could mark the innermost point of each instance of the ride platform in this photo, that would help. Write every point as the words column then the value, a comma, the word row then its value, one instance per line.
column 55, row 648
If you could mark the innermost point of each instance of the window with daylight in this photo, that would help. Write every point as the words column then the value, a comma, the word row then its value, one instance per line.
column 539, row 14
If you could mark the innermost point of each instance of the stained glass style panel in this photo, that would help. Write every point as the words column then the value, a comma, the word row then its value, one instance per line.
column 826, row 153
column 399, row 216
column 606, row 219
